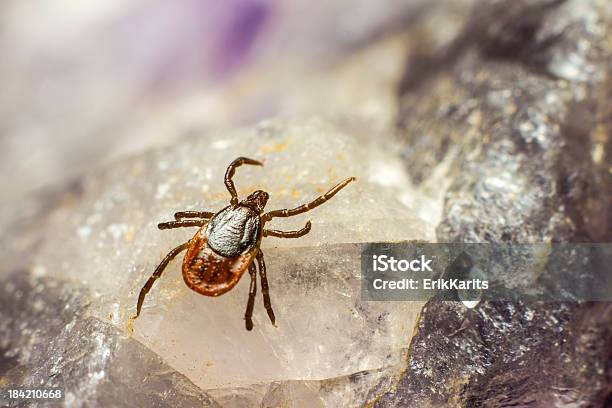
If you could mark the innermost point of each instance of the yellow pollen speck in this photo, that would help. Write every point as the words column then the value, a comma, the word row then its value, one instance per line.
column 598, row 153
column 129, row 236
column 600, row 134
column 275, row 147
column 130, row 324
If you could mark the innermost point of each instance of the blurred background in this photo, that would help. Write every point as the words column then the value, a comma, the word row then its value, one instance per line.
column 85, row 83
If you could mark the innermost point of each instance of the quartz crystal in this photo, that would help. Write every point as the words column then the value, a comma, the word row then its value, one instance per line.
column 105, row 241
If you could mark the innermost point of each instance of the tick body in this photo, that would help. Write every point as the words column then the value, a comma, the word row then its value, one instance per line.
column 227, row 243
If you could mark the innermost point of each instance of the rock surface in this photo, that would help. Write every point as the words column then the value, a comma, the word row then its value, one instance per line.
column 505, row 114
column 521, row 110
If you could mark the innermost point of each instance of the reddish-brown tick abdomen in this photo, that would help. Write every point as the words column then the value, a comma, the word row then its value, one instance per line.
column 209, row 273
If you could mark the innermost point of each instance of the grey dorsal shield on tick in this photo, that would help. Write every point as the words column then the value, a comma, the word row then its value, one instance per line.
column 227, row 243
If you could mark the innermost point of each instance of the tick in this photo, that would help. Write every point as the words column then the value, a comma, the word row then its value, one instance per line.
column 228, row 242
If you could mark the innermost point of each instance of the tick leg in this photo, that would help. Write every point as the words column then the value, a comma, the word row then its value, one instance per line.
column 230, row 173
column 158, row 272
column 288, row 234
column 264, row 286
column 306, row 207
column 181, row 224
column 193, row 214
column 251, row 302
